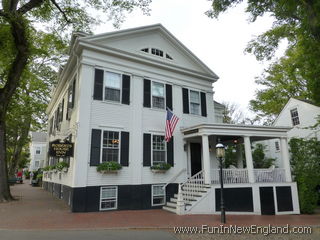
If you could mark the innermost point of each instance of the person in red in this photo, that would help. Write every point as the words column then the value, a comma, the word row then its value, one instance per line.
column 19, row 176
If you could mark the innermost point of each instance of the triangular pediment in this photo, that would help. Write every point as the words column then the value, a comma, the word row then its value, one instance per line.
column 147, row 41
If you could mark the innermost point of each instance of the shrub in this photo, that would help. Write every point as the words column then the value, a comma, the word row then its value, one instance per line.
column 161, row 166
column 39, row 176
column 61, row 165
column 108, row 166
column 305, row 159
column 259, row 158
column 47, row 168
column 27, row 174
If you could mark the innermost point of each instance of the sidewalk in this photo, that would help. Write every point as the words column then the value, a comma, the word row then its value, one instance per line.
column 39, row 210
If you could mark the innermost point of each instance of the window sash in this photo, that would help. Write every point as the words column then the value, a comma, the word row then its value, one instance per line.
column 194, row 97
column 112, row 86
column 110, row 146
column 295, row 117
column 158, row 150
column 158, row 195
column 108, row 198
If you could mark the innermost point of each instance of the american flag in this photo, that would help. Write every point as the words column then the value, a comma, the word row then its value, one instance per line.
column 171, row 123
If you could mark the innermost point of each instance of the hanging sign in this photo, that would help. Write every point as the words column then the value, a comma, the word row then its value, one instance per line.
column 61, row 149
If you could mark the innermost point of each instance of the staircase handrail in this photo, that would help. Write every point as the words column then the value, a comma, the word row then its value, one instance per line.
column 190, row 188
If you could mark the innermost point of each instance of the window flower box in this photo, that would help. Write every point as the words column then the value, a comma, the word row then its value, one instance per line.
column 62, row 166
column 109, row 167
column 160, row 168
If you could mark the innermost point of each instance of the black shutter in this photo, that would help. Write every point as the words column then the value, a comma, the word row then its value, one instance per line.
column 146, row 93
column 146, row 149
column 185, row 100
column 95, row 147
column 74, row 92
column 203, row 104
column 126, row 89
column 124, row 155
column 170, row 152
column 169, row 96
column 98, row 84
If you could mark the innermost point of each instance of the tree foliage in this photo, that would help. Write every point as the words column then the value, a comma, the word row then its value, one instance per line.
column 259, row 158
column 297, row 74
column 29, row 32
column 305, row 159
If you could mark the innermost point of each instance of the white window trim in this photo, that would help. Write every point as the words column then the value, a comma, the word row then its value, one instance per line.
column 165, row 146
column 164, row 92
column 164, row 203
column 200, row 107
column 101, row 141
column 104, row 87
column 295, row 108
column 156, row 56
column 116, row 203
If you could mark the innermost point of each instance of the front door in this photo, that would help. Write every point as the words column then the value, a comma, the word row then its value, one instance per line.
column 267, row 201
column 196, row 166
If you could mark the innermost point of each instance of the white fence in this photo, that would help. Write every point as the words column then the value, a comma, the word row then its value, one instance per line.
column 230, row 176
column 241, row 175
column 269, row 175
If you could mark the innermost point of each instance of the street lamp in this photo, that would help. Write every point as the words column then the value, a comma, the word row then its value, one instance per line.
column 220, row 152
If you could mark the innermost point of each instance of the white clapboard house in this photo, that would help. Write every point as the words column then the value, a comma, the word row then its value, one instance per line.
column 111, row 100
column 301, row 116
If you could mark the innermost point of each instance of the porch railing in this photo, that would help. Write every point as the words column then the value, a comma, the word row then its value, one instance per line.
column 230, row 176
column 269, row 175
column 191, row 188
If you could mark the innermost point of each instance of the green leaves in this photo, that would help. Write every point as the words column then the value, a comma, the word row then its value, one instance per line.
column 305, row 159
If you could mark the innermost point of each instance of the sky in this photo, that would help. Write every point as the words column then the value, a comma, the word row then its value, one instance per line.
column 219, row 43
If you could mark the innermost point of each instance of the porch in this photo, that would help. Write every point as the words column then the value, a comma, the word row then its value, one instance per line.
column 200, row 142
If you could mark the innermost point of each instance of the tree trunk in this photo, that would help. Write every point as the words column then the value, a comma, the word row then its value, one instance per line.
column 18, row 30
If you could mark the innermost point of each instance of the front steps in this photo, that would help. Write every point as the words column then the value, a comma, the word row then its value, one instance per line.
column 197, row 193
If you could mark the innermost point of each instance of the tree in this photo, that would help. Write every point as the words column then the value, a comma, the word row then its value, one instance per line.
column 17, row 19
column 297, row 22
column 232, row 114
column 259, row 157
column 305, row 159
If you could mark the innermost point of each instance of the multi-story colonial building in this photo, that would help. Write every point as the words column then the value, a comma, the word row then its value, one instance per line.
column 38, row 150
column 111, row 102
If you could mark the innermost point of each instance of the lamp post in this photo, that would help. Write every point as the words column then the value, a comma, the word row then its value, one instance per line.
column 220, row 152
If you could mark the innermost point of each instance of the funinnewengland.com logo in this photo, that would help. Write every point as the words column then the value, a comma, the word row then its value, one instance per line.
column 234, row 229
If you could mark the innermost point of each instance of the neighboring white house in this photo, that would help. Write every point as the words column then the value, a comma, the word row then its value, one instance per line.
column 300, row 116
column 38, row 150
column 111, row 100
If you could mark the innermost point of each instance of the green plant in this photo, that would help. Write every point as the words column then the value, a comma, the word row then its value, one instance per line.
column 305, row 159
column 27, row 174
column 259, row 158
column 161, row 166
column 108, row 166
column 39, row 176
column 61, row 165
column 47, row 168
column 53, row 167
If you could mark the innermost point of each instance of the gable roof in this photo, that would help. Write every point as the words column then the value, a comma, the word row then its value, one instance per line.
column 287, row 104
column 95, row 39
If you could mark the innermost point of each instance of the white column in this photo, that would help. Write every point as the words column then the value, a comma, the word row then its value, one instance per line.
column 239, row 156
column 249, row 161
column 285, row 158
column 206, row 159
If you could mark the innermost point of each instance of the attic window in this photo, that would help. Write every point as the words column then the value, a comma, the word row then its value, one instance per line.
column 157, row 52
column 168, row 56
column 145, row 50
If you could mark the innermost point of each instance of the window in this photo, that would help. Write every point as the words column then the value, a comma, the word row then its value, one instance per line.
column 108, row 198
column 38, row 150
column 157, row 52
column 168, row 56
column 158, row 150
column 71, row 97
column 194, row 102
column 112, row 86
column 295, row 117
column 277, row 146
column 145, row 50
column 158, row 195
column 158, row 95
column 110, row 148
column 36, row 164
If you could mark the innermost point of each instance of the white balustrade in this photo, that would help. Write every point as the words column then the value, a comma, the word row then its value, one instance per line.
column 230, row 176
column 191, row 188
column 269, row 175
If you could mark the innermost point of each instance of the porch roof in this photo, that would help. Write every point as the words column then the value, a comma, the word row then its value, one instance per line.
column 222, row 129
